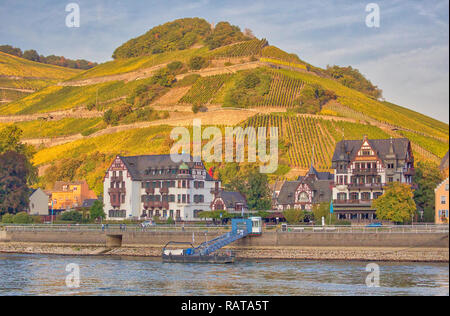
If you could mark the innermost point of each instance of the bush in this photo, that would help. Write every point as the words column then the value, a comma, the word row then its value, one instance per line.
column 195, row 108
column 170, row 221
column 197, row 63
column 22, row 218
column 7, row 219
column 72, row 216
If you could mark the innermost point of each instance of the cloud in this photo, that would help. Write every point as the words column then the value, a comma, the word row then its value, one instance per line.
column 417, row 79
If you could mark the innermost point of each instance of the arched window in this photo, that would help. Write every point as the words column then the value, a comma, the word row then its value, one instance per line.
column 303, row 197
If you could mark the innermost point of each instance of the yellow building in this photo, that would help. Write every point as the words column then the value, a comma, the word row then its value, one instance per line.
column 441, row 194
column 67, row 195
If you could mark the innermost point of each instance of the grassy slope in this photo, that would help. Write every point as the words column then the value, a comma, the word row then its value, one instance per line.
column 121, row 66
column 64, row 127
column 55, row 98
column 15, row 66
column 152, row 140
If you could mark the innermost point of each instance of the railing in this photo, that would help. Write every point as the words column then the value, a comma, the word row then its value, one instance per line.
column 117, row 179
column 366, row 171
column 399, row 229
column 115, row 228
column 365, row 186
column 420, row 228
column 352, row 202
column 116, row 190
column 409, row 171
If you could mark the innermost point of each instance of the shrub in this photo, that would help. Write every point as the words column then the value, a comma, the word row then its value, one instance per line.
column 170, row 221
column 7, row 219
column 72, row 216
column 197, row 63
column 22, row 218
column 195, row 108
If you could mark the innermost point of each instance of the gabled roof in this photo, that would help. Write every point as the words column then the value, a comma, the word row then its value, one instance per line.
column 59, row 185
column 441, row 184
column 287, row 193
column 231, row 198
column 318, row 175
column 88, row 203
column 348, row 149
column 444, row 162
column 138, row 165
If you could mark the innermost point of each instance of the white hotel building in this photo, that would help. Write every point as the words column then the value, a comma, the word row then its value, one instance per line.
column 362, row 170
column 142, row 187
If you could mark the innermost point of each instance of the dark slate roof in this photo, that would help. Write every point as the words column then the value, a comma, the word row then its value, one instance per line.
column 138, row 165
column 287, row 193
column 319, row 182
column 349, row 148
column 231, row 198
column 319, row 175
column 444, row 162
column 88, row 203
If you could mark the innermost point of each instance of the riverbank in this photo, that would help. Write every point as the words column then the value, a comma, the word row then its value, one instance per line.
column 392, row 254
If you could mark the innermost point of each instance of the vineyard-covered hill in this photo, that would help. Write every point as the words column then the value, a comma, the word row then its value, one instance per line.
column 189, row 66
column 20, row 77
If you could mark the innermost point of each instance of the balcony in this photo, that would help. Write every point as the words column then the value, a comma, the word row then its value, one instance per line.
column 409, row 171
column 365, row 186
column 117, row 179
column 116, row 190
column 152, row 204
column 373, row 171
column 352, row 202
column 164, row 190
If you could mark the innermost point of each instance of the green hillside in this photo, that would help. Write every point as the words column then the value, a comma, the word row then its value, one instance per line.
column 19, row 77
column 168, row 74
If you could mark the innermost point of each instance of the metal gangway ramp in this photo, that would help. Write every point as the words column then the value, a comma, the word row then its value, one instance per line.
column 240, row 228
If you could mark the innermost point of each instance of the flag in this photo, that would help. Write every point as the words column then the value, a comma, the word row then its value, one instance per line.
column 331, row 208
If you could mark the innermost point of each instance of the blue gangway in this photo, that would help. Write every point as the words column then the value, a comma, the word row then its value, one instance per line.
column 240, row 229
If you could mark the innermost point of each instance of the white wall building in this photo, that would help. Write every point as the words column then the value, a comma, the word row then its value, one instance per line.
column 363, row 168
column 38, row 203
column 144, row 187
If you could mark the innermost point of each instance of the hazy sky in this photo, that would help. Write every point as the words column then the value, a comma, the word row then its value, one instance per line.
column 407, row 56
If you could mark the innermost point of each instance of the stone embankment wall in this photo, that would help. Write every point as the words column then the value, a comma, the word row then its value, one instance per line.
column 268, row 239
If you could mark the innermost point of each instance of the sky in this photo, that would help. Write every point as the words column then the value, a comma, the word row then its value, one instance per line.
column 407, row 56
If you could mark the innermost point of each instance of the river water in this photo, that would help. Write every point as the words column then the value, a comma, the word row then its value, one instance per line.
column 46, row 275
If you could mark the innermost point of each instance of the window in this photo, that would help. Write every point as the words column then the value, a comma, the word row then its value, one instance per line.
column 376, row 195
column 443, row 199
column 365, row 196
